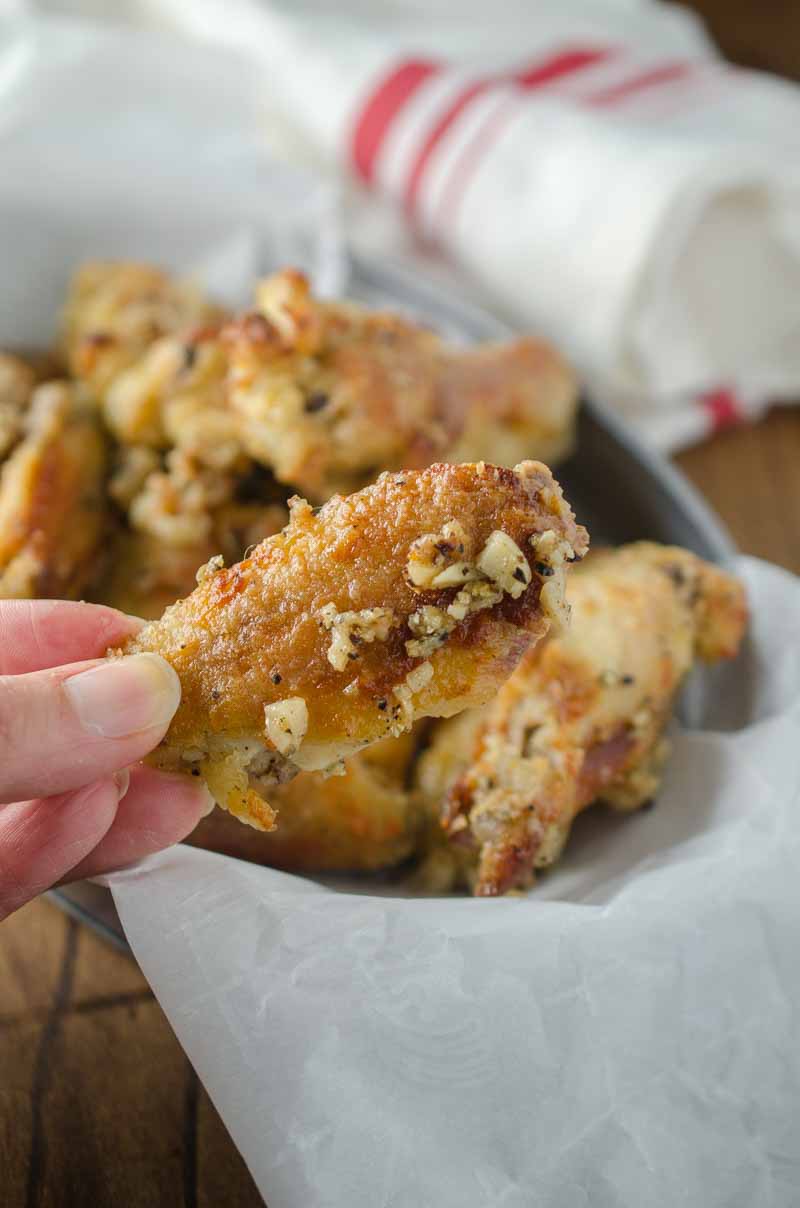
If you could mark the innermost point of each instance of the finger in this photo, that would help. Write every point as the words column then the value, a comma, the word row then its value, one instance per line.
column 157, row 811
column 40, row 841
column 70, row 726
column 35, row 634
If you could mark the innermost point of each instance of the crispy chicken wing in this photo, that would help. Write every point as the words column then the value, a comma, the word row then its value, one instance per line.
column 414, row 597
column 53, row 511
column 362, row 821
column 115, row 310
column 583, row 716
column 329, row 393
column 17, row 380
column 147, row 573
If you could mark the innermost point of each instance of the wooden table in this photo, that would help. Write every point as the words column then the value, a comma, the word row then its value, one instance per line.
column 98, row 1104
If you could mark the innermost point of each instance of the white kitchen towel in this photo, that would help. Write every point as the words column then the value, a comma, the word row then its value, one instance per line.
column 595, row 167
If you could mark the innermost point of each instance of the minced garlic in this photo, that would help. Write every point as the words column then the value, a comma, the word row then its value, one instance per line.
column 438, row 560
column 286, row 724
column 502, row 561
column 210, row 568
column 349, row 629
column 403, row 710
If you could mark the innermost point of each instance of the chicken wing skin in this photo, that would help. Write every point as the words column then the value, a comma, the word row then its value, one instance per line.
column 53, row 512
column 115, row 310
column 330, row 393
column 17, row 380
column 582, row 718
column 363, row 821
column 147, row 573
column 414, row 597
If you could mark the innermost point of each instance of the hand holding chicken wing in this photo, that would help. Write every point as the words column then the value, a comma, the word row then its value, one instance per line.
column 415, row 597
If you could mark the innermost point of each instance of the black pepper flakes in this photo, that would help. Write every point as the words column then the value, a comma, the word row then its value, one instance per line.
column 276, row 677
column 519, row 575
column 317, row 401
column 382, row 704
column 544, row 570
column 628, row 679
column 215, row 694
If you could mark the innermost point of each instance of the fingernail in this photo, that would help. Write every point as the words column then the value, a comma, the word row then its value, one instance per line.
column 122, row 779
column 125, row 695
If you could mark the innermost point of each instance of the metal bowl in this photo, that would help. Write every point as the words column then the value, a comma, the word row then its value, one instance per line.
column 621, row 490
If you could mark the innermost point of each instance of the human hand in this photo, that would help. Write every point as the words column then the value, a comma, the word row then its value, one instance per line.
column 71, row 805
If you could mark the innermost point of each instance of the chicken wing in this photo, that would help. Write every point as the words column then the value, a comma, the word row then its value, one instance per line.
column 362, row 821
column 17, row 380
column 328, row 394
column 583, row 716
column 415, row 597
column 115, row 310
column 147, row 573
column 53, row 511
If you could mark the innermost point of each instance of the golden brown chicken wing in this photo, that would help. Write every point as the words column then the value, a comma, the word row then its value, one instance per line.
column 328, row 394
column 147, row 573
column 17, row 380
column 115, row 310
column 361, row 821
column 415, row 597
column 53, row 511
column 582, row 718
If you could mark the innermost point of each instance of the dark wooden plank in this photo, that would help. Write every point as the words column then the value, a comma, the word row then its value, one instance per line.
column 752, row 477
column 19, row 1045
column 102, row 972
column 31, row 950
column 755, row 33
column 222, row 1177
column 112, row 1114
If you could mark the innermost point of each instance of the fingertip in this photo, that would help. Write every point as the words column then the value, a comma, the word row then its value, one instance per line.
column 158, row 810
column 41, row 841
column 176, row 802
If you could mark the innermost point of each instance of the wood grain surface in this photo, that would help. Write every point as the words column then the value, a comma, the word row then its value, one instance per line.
column 98, row 1104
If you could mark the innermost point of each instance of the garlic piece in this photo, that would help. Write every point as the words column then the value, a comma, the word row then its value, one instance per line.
column 286, row 723
column 348, row 629
column 502, row 561
column 403, row 710
column 429, row 558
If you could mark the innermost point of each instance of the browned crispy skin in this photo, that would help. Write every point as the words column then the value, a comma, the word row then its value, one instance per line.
column 362, row 821
column 582, row 718
column 115, row 310
column 53, row 513
column 319, row 643
column 146, row 574
column 330, row 393
column 323, row 395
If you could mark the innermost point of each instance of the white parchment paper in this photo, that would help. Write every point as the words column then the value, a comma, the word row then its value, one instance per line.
column 626, row 1035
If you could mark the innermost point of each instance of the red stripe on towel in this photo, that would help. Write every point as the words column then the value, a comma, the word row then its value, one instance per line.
column 723, row 407
column 381, row 110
